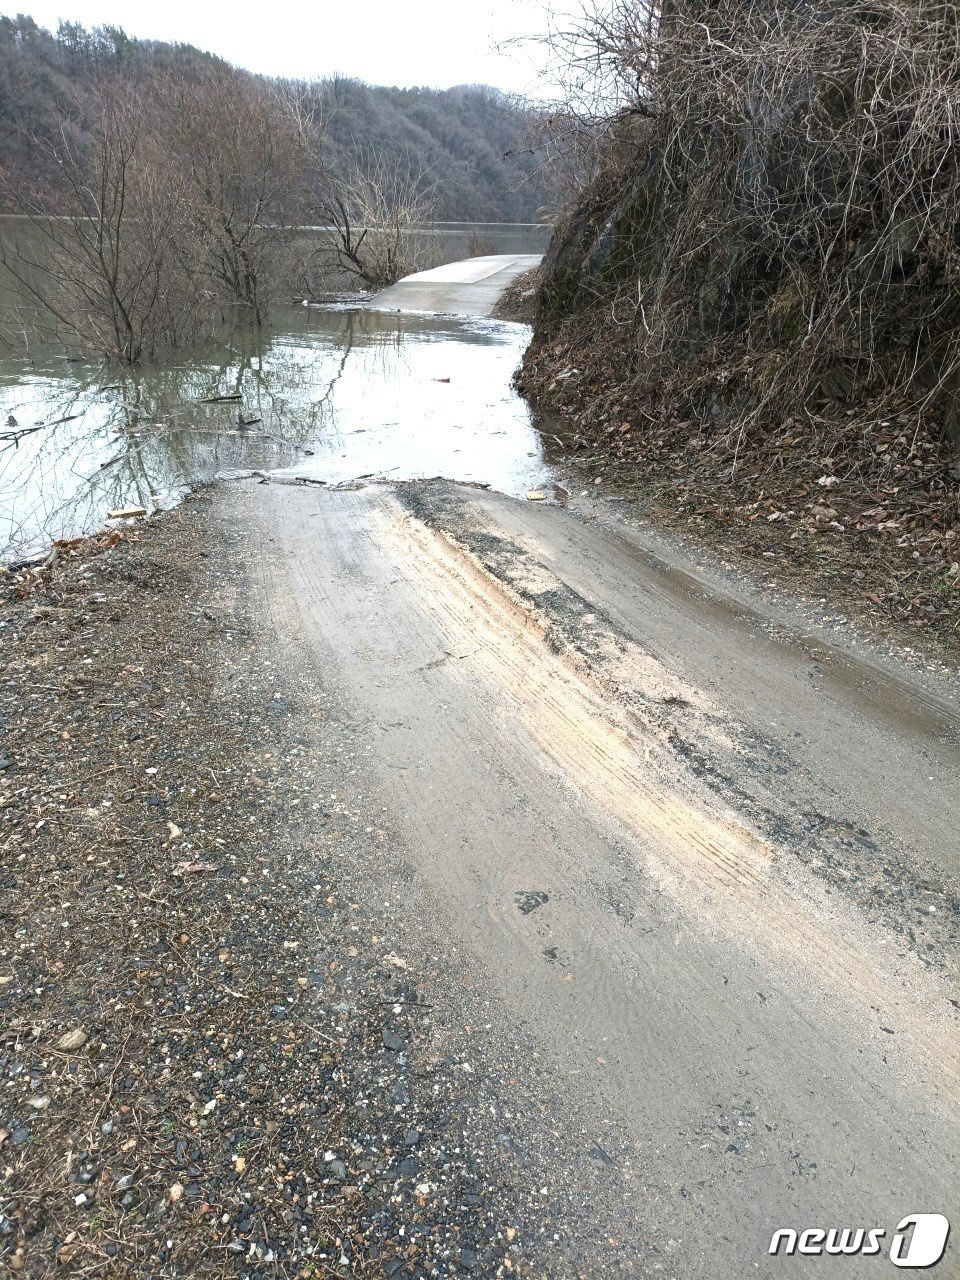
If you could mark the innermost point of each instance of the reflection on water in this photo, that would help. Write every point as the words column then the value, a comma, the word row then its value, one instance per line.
column 332, row 394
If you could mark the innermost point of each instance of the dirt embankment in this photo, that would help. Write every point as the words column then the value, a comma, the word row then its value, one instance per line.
column 518, row 301
column 859, row 505
column 751, row 306
column 214, row 1060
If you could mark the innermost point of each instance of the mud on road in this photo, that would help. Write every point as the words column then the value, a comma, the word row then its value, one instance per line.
column 450, row 885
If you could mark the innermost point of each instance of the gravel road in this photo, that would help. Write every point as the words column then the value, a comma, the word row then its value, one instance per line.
column 410, row 881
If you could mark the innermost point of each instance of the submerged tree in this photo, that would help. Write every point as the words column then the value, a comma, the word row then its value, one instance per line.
column 180, row 192
column 379, row 213
column 242, row 156
column 112, row 277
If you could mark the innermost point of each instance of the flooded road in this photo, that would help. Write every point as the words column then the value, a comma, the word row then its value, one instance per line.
column 681, row 863
column 332, row 393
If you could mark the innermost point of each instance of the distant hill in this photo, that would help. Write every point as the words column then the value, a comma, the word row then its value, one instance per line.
column 469, row 140
column 468, row 143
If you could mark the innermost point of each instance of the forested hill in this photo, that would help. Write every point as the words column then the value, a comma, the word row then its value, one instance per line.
column 470, row 141
column 469, row 144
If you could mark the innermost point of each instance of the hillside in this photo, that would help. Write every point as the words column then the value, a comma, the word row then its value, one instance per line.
column 467, row 143
column 751, row 307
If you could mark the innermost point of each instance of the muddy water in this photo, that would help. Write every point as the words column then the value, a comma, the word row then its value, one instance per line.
column 331, row 393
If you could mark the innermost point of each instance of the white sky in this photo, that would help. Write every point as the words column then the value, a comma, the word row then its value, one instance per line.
column 405, row 42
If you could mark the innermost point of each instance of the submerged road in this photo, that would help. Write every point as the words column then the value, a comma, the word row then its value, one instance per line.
column 699, row 861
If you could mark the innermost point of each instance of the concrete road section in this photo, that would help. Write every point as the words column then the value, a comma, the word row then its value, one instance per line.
column 471, row 287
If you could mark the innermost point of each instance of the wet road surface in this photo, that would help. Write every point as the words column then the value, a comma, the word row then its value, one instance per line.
column 471, row 287
column 707, row 863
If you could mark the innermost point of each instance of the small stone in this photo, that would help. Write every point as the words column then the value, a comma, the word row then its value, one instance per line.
column 20, row 1135
column 124, row 1183
column 72, row 1040
column 176, row 1191
column 393, row 1042
column 39, row 1102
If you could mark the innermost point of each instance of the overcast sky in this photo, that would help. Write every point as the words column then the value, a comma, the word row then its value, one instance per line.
column 406, row 42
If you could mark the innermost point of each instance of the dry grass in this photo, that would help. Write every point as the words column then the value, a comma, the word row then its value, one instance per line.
column 774, row 211
column 754, row 296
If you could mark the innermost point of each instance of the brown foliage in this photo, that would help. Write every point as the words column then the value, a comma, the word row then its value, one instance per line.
column 773, row 221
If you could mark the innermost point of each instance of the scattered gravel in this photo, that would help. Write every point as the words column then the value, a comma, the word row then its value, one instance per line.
column 518, row 301
column 220, row 1053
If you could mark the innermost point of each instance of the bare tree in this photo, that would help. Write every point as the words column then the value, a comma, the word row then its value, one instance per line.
column 112, row 276
column 241, row 152
column 378, row 213
column 480, row 244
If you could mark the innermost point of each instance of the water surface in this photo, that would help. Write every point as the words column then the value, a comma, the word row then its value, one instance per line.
column 332, row 393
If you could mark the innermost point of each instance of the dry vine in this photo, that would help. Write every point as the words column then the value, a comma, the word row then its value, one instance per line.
column 773, row 215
